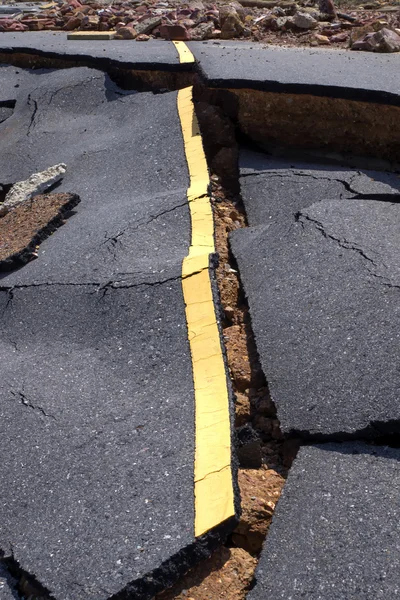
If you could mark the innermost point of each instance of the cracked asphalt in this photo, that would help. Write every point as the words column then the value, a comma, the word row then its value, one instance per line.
column 97, row 425
column 97, row 400
column 320, row 267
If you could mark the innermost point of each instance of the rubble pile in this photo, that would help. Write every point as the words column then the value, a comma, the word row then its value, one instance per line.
column 375, row 26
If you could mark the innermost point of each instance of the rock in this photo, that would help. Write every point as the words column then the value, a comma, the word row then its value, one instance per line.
column 339, row 37
column 16, row 27
column 230, row 23
column 204, row 31
column 242, row 409
column 327, row 7
column 322, row 39
column 125, row 33
column 249, row 447
column 174, row 32
column 384, row 40
column 73, row 23
column 241, row 11
column 147, row 25
column 303, row 20
column 282, row 23
column 196, row 5
column 90, row 22
column 278, row 12
column 358, row 33
column 142, row 37
column 259, row 490
column 36, row 184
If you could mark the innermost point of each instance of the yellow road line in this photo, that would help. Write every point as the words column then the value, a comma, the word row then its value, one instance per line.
column 185, row 55
column 213, row 487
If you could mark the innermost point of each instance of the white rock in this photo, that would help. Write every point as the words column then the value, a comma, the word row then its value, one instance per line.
column 36, row 184
column 303, row 20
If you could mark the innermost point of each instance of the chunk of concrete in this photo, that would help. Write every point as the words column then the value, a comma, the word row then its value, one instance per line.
column 36, row 184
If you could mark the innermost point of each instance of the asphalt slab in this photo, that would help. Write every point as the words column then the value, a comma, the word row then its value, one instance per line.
column 322, row 284
column 335, row 532
column 124, row 157
column 153, row 55
column 96, row 394
column 276, row 188
column 361, row 76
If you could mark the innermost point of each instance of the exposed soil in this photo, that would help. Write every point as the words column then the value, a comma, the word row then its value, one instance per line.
column 24, row 228
column 226, row 574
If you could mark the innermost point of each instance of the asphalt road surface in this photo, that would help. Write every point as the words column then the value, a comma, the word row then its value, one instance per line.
column 320, row 269
column 97, row 410
column 335, row 533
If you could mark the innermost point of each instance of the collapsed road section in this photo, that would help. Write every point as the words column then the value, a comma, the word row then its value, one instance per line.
column 319, row 266
column 97, row 396
column 103, row 308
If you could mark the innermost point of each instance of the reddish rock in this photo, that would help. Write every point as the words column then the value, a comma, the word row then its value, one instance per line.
column 73, row 23
column 174, row 32
column 142, row 37
column 16, row 26
column 75, row 4
column 125, row 33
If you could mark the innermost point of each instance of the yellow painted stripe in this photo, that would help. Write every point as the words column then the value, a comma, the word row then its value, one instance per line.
column 185, row 55
column 213, row 487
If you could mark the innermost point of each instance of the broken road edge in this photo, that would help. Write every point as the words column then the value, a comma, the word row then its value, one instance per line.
column 215, row 486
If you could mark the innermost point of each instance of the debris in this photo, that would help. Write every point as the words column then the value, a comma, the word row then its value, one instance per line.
column 174, row 32
column 322, row 39
column 147, row 25
column 231, row 25
column 125, row 33
column 204, row 31
column 28, row 224
column 303, row 20
column 270, row 21
column 384, row 40
column 36, row 184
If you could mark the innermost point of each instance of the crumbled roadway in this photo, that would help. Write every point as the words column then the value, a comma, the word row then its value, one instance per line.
column 341, row 74
column 321, row 271
column 97, row 423
column 338, row 203
column 319, row 265
column 335, row 532
column 99, row 53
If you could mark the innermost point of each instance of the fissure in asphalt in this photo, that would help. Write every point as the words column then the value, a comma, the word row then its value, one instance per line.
column 260, row 439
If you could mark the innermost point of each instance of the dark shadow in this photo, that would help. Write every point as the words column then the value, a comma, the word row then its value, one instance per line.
column 380, row 450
